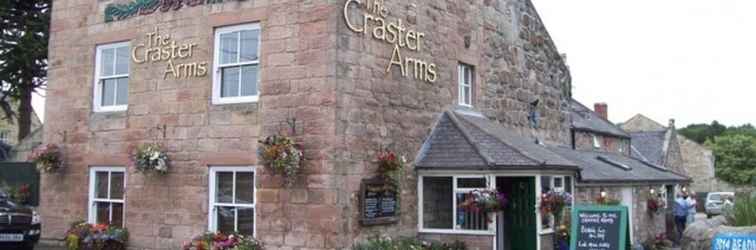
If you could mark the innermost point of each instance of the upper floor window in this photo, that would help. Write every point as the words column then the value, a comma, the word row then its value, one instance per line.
column 236, row 68
column 111, row 88
column 465, row 76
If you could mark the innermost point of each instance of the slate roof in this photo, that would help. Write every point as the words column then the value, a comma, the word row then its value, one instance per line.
column 603, row 167
column 582, row 118
column 463, row 140
column 649, row 146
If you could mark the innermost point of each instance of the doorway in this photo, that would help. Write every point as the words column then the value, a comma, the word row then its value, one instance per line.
column 516, row 225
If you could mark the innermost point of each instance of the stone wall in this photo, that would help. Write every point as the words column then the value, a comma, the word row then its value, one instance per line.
column 612, row 144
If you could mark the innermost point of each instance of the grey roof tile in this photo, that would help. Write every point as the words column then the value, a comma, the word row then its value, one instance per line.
column 583, row 118
column 649, row 146
column 602, row 167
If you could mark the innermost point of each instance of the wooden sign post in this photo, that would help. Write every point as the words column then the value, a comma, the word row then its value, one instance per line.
column 599, row 228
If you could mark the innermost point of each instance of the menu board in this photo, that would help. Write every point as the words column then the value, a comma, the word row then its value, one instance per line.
column 599, row 228
column 380, row 202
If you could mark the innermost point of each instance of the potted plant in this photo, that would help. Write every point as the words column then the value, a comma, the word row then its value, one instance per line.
column 150, row 157
column 390, row 166
column 484, row 201
column 220, row 241
column 48, row 158
column 282, row 155
column 84, row 236
column 653, row 204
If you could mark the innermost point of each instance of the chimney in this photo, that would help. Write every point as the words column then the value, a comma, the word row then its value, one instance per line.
column 602, row 109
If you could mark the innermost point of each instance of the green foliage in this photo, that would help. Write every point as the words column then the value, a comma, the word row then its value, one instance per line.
column 24, row 33
column 735, row 158
column 407, row 244
column 701, row 133
column 744, row 211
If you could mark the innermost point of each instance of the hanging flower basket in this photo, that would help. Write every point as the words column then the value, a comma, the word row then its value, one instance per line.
column 282, row 155
column 150, row 157
column 484, row 201
column 48, row 158
column 388, row 162
column 653, row 204
column 554, row 202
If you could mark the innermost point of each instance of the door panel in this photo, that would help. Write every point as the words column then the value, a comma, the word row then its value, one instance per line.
column 519, row 217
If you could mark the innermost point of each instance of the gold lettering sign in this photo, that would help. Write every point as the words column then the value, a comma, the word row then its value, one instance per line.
column 374, row 23
column 161, row 48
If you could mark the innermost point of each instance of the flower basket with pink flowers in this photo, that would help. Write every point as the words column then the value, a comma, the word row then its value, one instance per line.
column 48, row 158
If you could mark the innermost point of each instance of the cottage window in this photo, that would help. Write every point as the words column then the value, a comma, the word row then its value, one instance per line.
column 111, row 87
column 465, row 80
column 237, row 64
column 442, row 198
column 556, row 184
column 106, row 195
column 232, row 200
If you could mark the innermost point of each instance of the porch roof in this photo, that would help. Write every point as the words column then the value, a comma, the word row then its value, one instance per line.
column 464, row 140
column 603, row 167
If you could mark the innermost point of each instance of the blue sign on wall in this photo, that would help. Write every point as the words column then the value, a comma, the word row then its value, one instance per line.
column 734, row 242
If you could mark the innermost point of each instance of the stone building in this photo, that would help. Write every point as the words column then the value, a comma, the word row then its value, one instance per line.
column 603, row 151
column 470, row 94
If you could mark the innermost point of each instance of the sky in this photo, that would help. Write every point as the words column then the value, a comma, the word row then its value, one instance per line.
column 691, row 60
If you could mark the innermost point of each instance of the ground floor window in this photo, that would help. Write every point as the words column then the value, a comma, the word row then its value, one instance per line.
column 442, row 204
column 106, row 195
column 556, row 184
column 232, row 200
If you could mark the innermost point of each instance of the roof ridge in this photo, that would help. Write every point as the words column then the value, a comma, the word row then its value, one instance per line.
column 486, row 158
column 515, row 149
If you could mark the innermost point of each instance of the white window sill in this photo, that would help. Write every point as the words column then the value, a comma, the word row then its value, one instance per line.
column 546, row 231
column 463, row 232
column 235, row 100
column 107, row 109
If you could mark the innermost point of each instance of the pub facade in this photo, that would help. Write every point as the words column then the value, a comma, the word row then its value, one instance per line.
column 469, row 95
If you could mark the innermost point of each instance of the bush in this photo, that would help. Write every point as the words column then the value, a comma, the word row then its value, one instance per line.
column 385, row 243
column 744, row 211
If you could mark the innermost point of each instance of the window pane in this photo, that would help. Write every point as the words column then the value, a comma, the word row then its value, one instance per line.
column 101, row 185
column 568, row 184
column 471, row 183
column 225, row 217
column 230, row 82
column 103, row 212
column 249, row 42
column 245, row 188
column 122, row 60
column 123, row 91
column 107, row 56
column 437, row 202
column 246, row 221
column 229, row 49
column 117, row 215
column 467, row 95
column 224, row 187
column 249, row 80
column 558, row 182
column 469, row 220
column 108, row 92
column 116, row 185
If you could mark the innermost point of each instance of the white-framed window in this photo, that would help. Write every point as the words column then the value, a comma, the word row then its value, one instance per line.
column 596, row 142
column 111, row 86
column 107, row 195
column 236, row 65
column 232, row 200
column 465, row 79
column 440, row 199
column 556, row 183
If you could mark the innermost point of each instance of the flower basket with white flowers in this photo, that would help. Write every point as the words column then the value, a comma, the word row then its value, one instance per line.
column 150, row 158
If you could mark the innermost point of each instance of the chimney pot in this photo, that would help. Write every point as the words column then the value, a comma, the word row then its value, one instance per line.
column 602, row 109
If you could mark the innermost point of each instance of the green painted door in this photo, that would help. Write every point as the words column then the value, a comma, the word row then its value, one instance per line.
column 520, row 217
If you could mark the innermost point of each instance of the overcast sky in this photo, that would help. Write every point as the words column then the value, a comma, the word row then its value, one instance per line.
column 692, row 60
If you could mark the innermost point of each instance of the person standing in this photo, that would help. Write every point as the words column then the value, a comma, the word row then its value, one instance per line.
column 680, row 211
column 692, row 211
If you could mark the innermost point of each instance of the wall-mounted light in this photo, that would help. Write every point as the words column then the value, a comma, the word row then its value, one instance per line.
column 603, row 193
column 652, row 191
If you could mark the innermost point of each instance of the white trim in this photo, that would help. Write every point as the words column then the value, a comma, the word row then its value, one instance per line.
column 462, row 83
column 97, row 86
column 217, row 99
column 491, row 229
column 211, row 218
column 92, row 210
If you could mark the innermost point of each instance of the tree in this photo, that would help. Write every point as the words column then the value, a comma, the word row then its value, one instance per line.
column 24, row 34
column 700, row 133
column 735, row 158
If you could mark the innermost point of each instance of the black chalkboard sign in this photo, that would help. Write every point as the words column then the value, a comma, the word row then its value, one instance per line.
column 380, row 202
column 599, row 228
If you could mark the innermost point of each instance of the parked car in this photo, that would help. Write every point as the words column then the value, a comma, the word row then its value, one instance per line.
column 20, row 226
column 714, row 202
